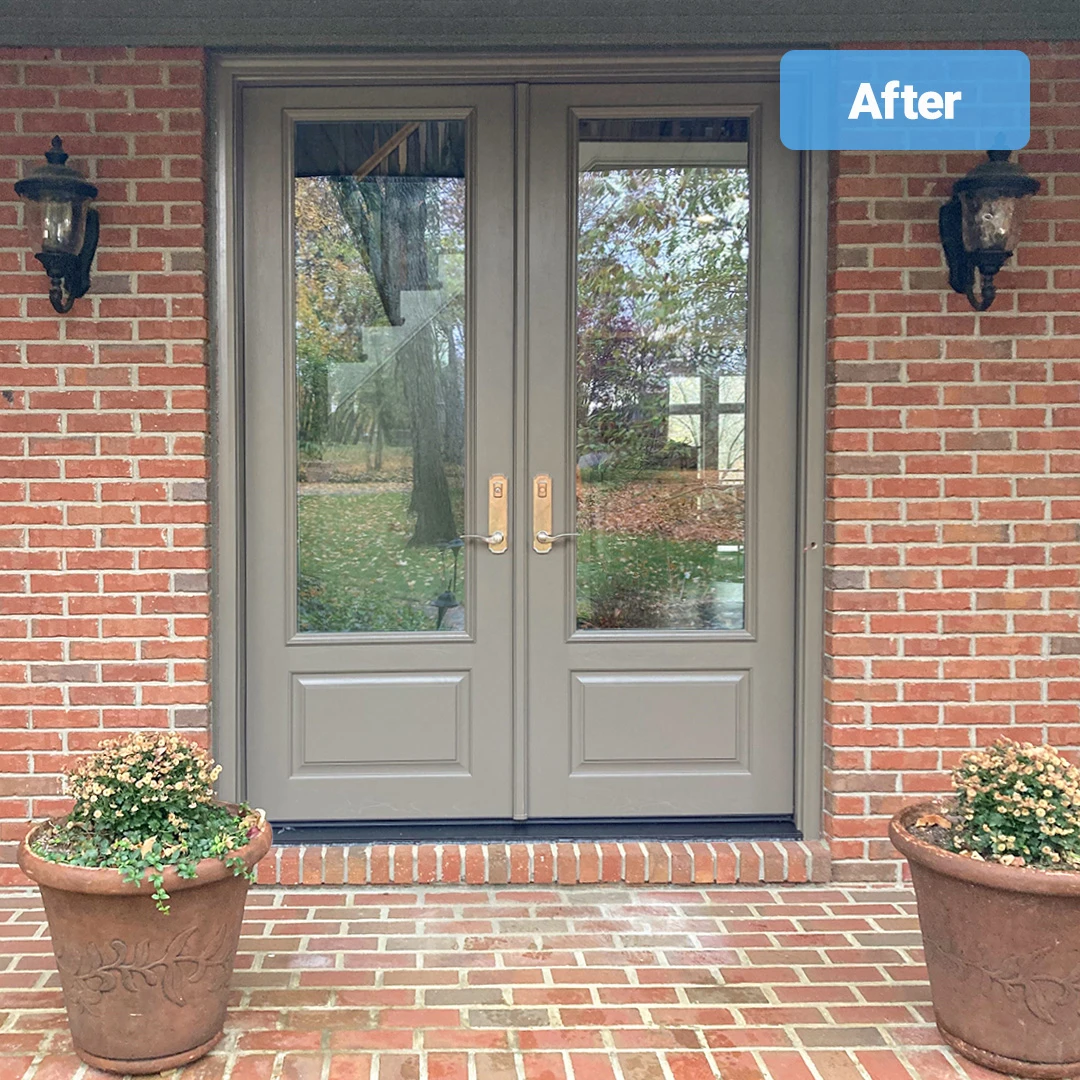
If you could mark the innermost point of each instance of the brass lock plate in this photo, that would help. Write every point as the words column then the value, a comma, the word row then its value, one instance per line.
column 541, row 512
column 498, row 513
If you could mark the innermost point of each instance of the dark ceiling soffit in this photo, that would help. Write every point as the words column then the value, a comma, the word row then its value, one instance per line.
column 527, row 24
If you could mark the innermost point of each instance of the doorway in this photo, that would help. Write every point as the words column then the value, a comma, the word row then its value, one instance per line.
column 521, row 416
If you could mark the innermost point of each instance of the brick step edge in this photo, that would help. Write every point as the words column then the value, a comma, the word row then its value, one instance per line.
column 779, row 862
column 629, row 863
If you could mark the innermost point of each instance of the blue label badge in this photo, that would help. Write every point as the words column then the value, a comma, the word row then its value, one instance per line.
column 905, row 99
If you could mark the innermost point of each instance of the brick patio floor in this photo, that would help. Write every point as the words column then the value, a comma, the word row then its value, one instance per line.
column 593, row 983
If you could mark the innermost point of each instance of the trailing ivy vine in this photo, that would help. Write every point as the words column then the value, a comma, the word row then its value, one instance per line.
column 144, row 803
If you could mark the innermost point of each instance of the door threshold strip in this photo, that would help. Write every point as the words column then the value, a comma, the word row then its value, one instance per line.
column 567, row 830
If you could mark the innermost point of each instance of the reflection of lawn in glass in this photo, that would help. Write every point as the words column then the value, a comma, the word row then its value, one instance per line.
column 638, row 582
column 357, row 572
column 648, row 551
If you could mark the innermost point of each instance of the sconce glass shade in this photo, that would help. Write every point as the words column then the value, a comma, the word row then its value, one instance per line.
column 992, row 198
column 56, row 223
column 991, row 221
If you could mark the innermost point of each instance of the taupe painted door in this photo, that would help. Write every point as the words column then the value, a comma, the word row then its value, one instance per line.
column 642, row 664
column 662, row 389
column 378, row 326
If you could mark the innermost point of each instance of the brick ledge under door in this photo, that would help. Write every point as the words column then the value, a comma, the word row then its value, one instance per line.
column 630, row 863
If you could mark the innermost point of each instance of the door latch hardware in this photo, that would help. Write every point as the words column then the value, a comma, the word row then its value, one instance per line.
column 542, row 538
column 498, row 516
column 492, row 541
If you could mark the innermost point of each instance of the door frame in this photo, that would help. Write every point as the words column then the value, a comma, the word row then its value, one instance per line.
column 230, row 74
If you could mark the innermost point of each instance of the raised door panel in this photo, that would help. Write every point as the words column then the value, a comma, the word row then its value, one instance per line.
column 379, row 724
column 632, row 723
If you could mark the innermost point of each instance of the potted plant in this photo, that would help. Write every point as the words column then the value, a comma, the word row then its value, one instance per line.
column 996, row 871
column 144, row 883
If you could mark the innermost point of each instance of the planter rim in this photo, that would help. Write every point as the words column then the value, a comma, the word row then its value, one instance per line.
column 108, row 881
column 1018, row 879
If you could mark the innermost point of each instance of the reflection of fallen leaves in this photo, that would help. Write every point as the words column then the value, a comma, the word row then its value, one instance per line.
column 680, row 505
column 928, row 821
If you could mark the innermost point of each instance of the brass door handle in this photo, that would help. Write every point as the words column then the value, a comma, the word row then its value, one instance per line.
column 492, row 541
column 544, row 537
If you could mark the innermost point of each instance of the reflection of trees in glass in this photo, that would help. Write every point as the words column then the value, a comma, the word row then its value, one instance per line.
column 661, row 362
column 662, row 276
column 333, row 304
column 362, row 247
column 389, row 219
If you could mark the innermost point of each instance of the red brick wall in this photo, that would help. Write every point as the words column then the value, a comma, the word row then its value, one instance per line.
column 954, row 494
column 103, row 512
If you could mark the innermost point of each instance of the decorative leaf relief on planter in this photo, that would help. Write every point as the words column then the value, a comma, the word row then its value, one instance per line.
column 1019, row 977
column 100, row 970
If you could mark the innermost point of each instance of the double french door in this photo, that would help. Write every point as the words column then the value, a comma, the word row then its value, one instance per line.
column 520, row 384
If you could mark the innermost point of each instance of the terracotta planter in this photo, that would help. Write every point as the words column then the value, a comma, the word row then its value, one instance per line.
column 144, row 991
column 1003, row 954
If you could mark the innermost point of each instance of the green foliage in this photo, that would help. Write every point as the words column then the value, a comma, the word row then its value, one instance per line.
column 358, row 571
column 323, row 608
column 668, row 248
column 662, row 289
column 1018, row 804
column 640, row 582
column 608, row 602
column 143, row 803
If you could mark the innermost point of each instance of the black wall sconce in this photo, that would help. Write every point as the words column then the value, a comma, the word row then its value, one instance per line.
column 980, row 224
column 62, row 229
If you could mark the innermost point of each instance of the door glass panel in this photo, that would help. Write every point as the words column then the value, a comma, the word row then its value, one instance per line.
column 379, row 233
column 662, row 257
